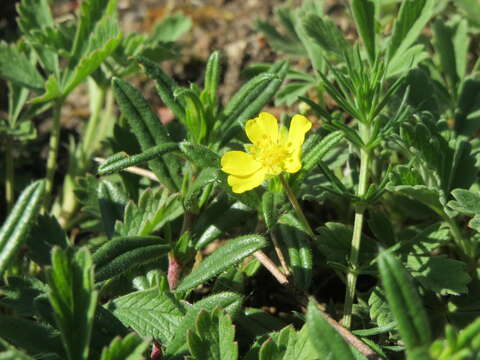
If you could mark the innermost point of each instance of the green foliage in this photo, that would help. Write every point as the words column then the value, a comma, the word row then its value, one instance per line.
column 213, row 337
column 459, row 345
column 129, row 348
column 229, row 254
column 73, row 299
column 15, row 228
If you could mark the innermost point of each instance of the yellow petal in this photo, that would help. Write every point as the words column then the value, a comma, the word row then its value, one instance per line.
column 293, row 162
column 296, row 134
column 264, row 127
column 241, row 184
column 239, row 163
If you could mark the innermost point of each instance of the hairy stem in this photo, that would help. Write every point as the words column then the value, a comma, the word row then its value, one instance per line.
column 357, row 231
column 279, row 253
column 10, row 175
column 296, row 206
column 52, row 153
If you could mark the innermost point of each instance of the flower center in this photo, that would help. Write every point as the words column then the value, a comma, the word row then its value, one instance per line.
column 271, row 155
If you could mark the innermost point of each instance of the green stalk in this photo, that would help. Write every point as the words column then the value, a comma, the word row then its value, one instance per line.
column 296, row 206
column 357, row 229
column 10, row 175
column 52, row 153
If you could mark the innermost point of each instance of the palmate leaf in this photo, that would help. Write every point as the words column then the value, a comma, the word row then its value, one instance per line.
column 231, row 253
column 15, row 228
column 150, row 313
column 73, row 299
column 213, row 337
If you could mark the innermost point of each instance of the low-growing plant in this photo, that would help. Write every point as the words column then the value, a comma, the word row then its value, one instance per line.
column 229, row 233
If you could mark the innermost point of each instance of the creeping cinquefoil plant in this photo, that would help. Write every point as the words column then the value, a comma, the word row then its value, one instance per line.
column 346, row 229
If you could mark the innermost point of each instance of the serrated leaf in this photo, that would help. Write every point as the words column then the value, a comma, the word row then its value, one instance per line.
column 468, row 203
column 213, row 337
column 36, row 338
column 326, row 34
column 15, row 228
column 230, row 302
column 439, row 274
column 120, row 254
column 73, row 299
column 405, row 303
column 16, row 67
column 379, row 309
column 326, row 340
column 231, row 253
column 44, row 235
column 150, row 313
column 131, row 347
column 154, row 209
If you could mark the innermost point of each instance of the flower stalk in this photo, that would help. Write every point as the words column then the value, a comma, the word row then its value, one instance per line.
column 357, row 228
column 296, row 206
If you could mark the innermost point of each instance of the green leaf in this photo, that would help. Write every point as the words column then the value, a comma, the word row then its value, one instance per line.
column 35, row 338
column 44, row 235
column 326, row 34
column 19, row 296
column 164, row 84
column 18, row 223
column 146, row 126
column 121, row 161
column 364, row 15
column 120, row 254
column 253, row 96
column 405, row 303
column 439, row 273
column 213, row 337
column 73, row 299
column 91, row 13
column 52, row 91
column 231, row 302
column 131, row 347
column 150, row 313
column 171, row 28
column 297, row 242
column 16, row 67
column 195, row 118
column 212, row 78
column 200, row 155
column 321, row 147
column 379, row 309
column 272, row 203
column 458, row 344
column 154, row 209
column 231, row 253
column 452, row 54
column 102, row 42
column 412, row 18
column 217, row 219
column 428, row 196
column 112, row 201
column 467, row 115
column 325, row 339
column 206, row 177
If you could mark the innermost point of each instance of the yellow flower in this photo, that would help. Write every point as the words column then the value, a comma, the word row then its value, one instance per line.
column 273, row 150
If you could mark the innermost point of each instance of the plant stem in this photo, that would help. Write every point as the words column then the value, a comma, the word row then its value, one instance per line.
column 296, row 206
column 52, row 153
column 9, row 181
column 279, row 253
column 357, row 230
